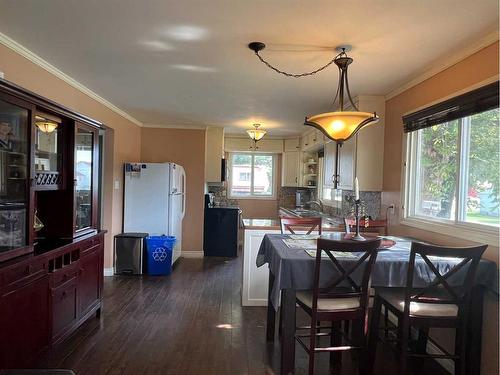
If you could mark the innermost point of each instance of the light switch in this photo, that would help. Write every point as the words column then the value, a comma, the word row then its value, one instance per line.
column 117, row 184
column 1, row 75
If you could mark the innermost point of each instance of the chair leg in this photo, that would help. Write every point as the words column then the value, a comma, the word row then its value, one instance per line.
column 280, row 322
column 335, row 340
column 386, row 322
column 359, row 340
column 373, row 335
column 421, row 347
column 312, row 345
column 405, row 337
column 460, row 349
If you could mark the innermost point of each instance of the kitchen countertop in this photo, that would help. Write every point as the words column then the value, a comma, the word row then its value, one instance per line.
column 273, row 224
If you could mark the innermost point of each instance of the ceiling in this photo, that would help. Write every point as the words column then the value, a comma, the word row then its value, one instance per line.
column 185, row 63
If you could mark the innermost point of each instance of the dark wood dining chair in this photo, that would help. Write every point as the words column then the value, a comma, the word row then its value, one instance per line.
column 341, row 299
column 366, row 226
column 438, row 304
column 291, row 224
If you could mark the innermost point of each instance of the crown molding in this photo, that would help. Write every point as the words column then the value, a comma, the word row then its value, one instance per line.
column 175, row 126
column 37, row 60
column 442, row 65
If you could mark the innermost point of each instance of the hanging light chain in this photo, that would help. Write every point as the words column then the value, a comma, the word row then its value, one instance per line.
column 301, row 74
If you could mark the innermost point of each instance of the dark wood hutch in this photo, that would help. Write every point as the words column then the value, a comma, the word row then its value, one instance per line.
column 51, row 249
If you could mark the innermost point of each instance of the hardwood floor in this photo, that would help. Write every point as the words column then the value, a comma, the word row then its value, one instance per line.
column 191, row 322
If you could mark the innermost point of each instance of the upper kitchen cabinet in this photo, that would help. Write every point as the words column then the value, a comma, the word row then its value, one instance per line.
column 246, row 144
column 347, row 162
column 290, row 171
column 312, row 140
column 370, row 145
column 16, row 197
column 346, row 168
column 362, row 155
column 214, row 153
column 292, row 144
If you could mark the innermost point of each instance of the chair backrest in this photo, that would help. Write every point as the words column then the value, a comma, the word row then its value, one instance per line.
column 370, row 226
column 361, row 254
column 310, row 224
column 440, row 291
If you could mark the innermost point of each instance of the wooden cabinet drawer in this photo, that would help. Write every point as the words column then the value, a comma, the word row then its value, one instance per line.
column 24, row 273
column 65, row 274
column 90, row 245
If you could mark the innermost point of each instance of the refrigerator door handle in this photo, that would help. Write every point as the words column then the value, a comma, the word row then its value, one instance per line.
column 183, row 186
column 183, row 205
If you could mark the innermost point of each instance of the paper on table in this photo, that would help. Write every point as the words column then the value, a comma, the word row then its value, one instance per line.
column 336, row 254
column 304, row 236
column 300, row 243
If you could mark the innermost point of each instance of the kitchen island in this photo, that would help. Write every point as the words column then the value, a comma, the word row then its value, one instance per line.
column 255, row 280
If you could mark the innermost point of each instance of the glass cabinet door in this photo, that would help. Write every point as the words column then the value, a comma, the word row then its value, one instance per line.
column 84, row 173
column 48, row 153
column 14, row 176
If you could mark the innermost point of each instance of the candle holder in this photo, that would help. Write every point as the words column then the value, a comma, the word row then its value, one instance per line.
column 357, row 236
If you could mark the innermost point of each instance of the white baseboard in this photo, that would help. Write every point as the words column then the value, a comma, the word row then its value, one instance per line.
column 109, row 271
column 192, row 254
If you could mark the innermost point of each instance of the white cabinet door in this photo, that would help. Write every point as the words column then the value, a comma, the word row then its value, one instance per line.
column 255, row 279
column 292, row 144
column 329, row 164
column 347, row 164
column 290, row 168
column 307, row 141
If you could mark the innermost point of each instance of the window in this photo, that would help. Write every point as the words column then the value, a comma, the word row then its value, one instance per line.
column 452, row 171
column 252, row 176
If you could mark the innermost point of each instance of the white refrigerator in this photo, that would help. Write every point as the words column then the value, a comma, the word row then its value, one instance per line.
column 155, row 200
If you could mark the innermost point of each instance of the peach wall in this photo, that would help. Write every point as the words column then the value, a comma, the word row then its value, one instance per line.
column 482, row 66
column 126, row 145
column 185, row 147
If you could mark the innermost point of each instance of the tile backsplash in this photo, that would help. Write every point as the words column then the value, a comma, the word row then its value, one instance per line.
column 286, row 198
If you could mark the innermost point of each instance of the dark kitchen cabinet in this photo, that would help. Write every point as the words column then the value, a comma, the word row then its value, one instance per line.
column 89, row 281
column 64, row 308
column 24, row 320
column 51, row 248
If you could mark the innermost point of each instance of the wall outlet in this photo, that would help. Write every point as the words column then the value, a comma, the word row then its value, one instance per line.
column 117, row 185
column 2, row 75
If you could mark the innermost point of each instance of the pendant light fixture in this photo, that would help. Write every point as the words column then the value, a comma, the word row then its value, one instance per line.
column 256, row 134
column 46, row 126
column 339, row 125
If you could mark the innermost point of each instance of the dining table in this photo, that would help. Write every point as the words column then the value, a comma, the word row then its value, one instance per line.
column 291, row 263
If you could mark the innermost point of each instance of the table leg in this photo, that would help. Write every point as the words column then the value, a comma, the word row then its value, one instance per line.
column 271, row 313
column 288, row 332
column 474, row 332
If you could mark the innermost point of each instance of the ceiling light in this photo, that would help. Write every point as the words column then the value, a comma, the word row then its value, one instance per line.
column 342, row 125
column 46, row 126
column 256, row 134
column 157, row 45
column 194, row 68
column 186, row 33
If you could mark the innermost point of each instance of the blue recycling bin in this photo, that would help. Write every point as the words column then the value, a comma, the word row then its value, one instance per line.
column 159, row 250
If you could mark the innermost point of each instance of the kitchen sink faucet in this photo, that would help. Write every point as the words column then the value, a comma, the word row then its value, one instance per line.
column 317, row 202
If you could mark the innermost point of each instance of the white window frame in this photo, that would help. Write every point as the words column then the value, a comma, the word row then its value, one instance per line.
column 252, row 196
column 456, row 227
